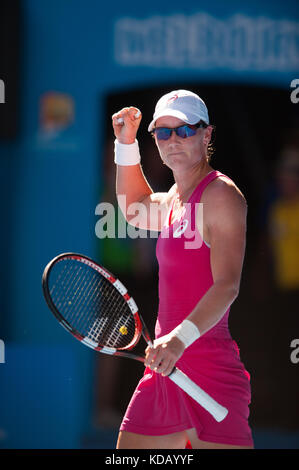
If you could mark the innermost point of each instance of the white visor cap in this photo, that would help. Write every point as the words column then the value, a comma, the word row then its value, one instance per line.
column 182, row 104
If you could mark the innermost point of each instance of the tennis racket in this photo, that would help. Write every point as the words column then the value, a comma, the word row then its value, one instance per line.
column 96, row 308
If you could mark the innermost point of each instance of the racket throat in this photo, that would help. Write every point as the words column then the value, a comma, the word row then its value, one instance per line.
column 94, row 345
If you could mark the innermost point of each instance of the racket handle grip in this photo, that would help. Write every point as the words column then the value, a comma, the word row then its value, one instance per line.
column 218, row 411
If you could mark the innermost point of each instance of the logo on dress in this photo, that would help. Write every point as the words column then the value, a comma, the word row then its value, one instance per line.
column 180, row 229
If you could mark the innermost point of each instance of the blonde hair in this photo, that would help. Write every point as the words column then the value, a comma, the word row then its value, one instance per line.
column 211, row 146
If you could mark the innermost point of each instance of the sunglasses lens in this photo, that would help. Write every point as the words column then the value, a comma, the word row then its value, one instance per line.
column 185, row 131
column 163, row 133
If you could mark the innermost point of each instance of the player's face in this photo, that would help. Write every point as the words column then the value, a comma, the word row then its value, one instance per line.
column 178, row 153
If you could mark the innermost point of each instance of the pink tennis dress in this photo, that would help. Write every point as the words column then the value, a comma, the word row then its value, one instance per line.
column 158, row 406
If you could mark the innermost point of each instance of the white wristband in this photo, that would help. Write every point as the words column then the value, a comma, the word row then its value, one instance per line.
column 187, row 332
column 126, row 154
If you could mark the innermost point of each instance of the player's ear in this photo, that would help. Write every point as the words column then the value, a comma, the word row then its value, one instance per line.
column 155, row 140
column 208, row 135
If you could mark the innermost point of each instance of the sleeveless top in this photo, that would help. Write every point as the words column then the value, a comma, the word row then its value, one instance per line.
column 184, row 268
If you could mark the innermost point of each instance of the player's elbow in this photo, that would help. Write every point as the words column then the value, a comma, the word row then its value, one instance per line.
column 234, row 289
column 230, row 288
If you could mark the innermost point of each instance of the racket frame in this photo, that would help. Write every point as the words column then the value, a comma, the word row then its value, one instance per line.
column 140, row 327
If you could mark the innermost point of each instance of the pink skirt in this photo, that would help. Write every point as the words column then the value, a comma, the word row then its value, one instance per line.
column 159, row 407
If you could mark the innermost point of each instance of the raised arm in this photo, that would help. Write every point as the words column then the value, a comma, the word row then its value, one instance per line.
column 132, row 188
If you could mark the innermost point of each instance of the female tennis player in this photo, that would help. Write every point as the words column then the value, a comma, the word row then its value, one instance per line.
column 200, row 251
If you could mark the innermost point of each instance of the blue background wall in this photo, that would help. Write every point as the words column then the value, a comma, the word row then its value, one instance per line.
column 50, row 188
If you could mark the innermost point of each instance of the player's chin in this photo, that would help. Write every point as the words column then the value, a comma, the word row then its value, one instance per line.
column 176, row 160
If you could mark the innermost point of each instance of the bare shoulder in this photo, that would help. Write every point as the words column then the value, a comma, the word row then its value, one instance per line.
column 223, row 189
column 170, row 194
column 223, row 199
column 164, row 198
column 157, row 209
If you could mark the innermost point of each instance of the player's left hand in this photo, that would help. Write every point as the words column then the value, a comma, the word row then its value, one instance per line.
column 165, row 352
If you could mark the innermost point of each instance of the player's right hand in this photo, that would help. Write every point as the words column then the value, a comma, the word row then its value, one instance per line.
column 126, row 131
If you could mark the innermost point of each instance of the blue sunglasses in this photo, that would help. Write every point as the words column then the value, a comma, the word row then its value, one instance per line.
column 188, row 130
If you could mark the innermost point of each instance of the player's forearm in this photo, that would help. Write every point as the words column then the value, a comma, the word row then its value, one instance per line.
column 131, row 182
column 131, row 186
column 213, row 305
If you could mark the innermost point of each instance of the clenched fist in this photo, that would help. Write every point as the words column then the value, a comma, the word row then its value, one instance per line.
column 126, row 130
column 165, row 352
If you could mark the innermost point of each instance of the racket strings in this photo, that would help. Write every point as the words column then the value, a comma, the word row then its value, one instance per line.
column 99, row 330
column 76, row 295
column 100, row 327
column 71, row 292
column 91, row 304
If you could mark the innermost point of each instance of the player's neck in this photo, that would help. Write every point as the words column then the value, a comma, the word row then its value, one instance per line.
column 186, row 182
